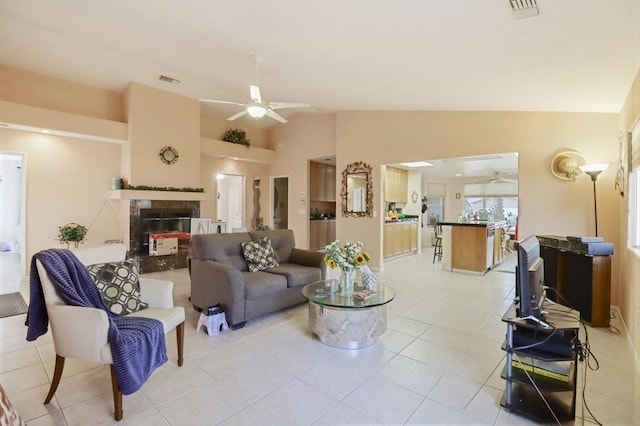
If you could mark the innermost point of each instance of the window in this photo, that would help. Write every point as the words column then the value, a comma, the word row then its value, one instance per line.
column 506, row 207
column 634, row 210
column 633, row 224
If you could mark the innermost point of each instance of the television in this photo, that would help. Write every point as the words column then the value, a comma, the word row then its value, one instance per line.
column 530, row 289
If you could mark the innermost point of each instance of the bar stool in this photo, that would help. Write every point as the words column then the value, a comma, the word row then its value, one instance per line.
column 437, row 249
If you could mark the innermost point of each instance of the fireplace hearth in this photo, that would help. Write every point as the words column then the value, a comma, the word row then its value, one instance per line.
column 157, row 217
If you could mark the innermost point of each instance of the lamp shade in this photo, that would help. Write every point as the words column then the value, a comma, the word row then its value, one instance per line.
column 597, row 167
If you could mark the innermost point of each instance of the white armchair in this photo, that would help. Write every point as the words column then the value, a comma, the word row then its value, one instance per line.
column 81, row 333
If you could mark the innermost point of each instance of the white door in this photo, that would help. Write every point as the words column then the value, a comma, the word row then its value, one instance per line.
column 230, row 204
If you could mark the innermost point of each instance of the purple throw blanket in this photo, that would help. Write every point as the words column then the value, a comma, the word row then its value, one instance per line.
column 137, row 344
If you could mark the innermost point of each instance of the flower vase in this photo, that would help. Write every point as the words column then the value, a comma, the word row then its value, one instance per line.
column 347, row 281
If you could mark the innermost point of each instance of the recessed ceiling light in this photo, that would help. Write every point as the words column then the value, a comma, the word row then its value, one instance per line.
column 458, row 174
column 45, row 131
column 418, row 164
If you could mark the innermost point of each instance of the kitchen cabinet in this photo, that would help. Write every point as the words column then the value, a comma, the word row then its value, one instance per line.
column 400, row 237
column 321, row 233
column 322, row 182
column 396, row 185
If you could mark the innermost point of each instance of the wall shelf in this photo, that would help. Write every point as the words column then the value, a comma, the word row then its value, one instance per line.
column 221, row 149
column 131, row 194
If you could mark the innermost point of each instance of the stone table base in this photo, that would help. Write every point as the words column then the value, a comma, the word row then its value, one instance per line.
column 347, row 328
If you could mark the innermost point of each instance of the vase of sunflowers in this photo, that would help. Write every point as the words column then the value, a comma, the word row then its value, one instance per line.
column 348, row 257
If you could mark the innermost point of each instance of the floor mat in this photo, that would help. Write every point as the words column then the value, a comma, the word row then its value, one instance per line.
column 12, row 304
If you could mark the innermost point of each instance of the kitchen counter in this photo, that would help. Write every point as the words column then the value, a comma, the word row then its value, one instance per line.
column 322, row 218
column 407, row 218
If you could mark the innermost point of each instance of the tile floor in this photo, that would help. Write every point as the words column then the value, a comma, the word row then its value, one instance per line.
column 438, row 363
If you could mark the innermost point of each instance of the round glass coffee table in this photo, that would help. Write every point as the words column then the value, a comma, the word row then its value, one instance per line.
column 347, row 322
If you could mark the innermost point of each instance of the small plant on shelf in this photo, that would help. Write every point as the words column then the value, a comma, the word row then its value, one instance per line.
column 236, row 136
column 261, row 227
column 72, row 233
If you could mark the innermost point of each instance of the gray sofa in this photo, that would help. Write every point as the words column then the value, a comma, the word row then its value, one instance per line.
column 219, row 274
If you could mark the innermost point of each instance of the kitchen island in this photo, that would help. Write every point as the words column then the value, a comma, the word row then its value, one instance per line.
column 471, row 247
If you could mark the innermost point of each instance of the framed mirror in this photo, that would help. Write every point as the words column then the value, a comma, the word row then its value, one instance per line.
column 357, row 190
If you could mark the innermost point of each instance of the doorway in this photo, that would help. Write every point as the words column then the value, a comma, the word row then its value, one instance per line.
column 12, row 218
column 230, row 204
column 280, row 205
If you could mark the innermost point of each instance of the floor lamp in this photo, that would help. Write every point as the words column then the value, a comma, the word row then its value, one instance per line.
column 594, row 170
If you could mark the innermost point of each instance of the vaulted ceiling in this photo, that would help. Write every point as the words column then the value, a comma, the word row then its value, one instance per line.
column 576, row 55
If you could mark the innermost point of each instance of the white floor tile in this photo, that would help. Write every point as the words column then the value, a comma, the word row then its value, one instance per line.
column 295, row 404
column 207, row 404
column 438, row 363
column 384, row 401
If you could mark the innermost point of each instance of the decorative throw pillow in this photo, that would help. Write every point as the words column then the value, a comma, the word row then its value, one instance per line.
column 119, row 286
column 259, row 254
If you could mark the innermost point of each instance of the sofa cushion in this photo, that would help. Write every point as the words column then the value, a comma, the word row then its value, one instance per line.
column 297, row 275
column 119, row 286
column 222, row 248
column 260, row 284
column 259, row 254
column 282, row 241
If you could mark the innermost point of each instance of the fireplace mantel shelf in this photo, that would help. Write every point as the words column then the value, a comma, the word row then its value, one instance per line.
column 130, row 194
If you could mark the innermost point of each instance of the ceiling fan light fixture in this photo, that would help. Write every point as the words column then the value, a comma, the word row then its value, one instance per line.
column 256, row 111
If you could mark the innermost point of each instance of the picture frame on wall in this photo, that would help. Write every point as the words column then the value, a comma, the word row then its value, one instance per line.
column 200, row 226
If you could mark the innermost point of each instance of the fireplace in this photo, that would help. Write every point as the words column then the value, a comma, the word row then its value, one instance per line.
column 158, row 217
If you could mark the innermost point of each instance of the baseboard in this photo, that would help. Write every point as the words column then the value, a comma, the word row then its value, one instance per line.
column 616, row 311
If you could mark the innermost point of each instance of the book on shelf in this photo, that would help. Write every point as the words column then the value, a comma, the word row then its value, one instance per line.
column 554, row 370
column 364, row 294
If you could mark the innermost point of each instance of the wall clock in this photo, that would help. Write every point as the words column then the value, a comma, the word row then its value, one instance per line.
column 168, row 155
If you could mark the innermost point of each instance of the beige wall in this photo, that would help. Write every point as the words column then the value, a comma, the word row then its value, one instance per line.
column 41, row 91
column 306, row 136
column 156, row 119
column 629, row 275
column 215, row 127
column 547, row 205
column 210, row 166
column 67, row 181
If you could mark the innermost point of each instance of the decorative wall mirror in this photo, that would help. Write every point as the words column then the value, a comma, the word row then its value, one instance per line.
column 357, row 190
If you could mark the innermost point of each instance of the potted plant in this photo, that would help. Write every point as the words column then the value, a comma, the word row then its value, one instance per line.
column 72, row 233
column 236, row 136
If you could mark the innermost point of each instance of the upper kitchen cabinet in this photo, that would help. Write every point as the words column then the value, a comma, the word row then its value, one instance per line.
column 322, row 182
column 395, row 185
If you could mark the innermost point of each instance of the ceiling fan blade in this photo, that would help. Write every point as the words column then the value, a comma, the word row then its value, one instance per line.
column 254, row 91
column 237, row 115
column 214, row 101
column 282, row 105
column 275, row 116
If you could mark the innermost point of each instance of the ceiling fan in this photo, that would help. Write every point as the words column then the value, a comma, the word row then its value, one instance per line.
column 498, row 177
column 256, row 107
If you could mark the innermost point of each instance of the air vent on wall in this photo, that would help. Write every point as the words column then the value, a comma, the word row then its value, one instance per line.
column 524, row 8
column 168, row 79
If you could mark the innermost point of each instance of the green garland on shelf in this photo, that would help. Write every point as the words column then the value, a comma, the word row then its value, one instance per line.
column 162, row 188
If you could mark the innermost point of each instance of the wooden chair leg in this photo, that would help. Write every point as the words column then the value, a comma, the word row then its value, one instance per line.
column 117, row 395
column 180, row 337
column 57, row 374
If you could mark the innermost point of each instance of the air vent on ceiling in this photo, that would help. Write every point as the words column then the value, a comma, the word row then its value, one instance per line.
column 524, row 8
column 168, row 79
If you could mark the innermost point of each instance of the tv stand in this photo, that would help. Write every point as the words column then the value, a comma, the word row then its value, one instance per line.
column 541, row 376
column 537, row 320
